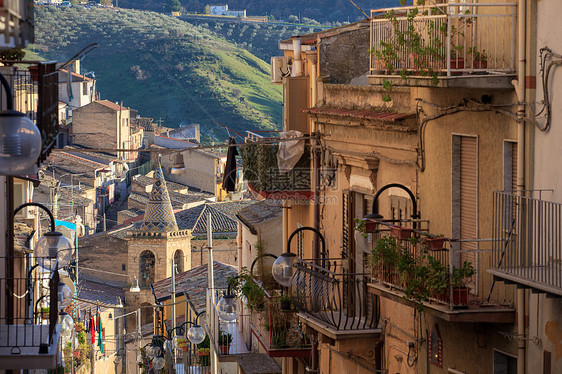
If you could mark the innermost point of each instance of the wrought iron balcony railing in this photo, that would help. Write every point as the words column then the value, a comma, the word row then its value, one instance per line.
column 35, row 91
column 528, row 245
column 443, row 39
column 27, row 333
column 334, row 296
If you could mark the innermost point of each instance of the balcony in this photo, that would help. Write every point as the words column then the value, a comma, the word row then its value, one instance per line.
column 528, row 247
column 415, row 268
column 28, row 339
column 35, row 92
column 334, row 301
column 262, row 172
column 277, row 329
column 16, row 27
column 444, row 45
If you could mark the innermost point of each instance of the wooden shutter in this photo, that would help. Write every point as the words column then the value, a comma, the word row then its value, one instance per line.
column 469, row 197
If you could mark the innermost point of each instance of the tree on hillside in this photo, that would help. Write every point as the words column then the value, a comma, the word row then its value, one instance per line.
column 107, row 2
column 174, row 5
column 207, row 9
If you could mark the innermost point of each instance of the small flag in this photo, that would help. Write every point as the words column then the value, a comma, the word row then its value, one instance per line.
column 92, row 328
column 100, row 328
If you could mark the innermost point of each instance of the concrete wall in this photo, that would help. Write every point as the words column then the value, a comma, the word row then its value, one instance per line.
column 224, row 250
column 545, row 314
column 107, row 253
column 199, row 170
column 97, row 126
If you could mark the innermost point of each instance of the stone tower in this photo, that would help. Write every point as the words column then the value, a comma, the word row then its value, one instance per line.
column 153, row 245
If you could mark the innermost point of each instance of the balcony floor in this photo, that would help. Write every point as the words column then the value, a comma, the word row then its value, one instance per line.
column 489, row 81
column 28, row 357
column 476, row 312
column 539, row 278
column 331, row 331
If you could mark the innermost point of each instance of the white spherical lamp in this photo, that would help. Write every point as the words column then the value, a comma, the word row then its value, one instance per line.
column 51, row 247
column 20, row 143
column 227, row 308
column 282, row 269
column 196, row 334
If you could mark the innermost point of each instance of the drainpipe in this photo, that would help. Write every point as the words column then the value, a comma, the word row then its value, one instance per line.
column 520, row 91
column 313, row 59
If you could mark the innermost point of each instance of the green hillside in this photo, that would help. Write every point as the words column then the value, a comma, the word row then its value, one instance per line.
column 164, row 67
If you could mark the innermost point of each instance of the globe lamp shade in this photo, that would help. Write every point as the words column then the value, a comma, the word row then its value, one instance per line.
column 227, row 308
column 179, row 166
column 196, row 334
column 51, row 247
column 20, row 143
column 66, row 326
column 158, row 363
column 282, row 269
column 64, row 296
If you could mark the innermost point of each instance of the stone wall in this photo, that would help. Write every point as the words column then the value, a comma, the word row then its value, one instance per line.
column 104, row 253
column 224, row 250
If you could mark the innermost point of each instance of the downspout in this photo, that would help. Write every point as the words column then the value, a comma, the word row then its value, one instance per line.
column 297, row 61
column 520, row 91
column 313, row 59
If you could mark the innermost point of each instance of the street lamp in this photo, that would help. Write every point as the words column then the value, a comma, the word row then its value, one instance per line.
column 20, row 139
column 227, row 307
column 135, row 286
column 282, row 269
column 64, row 296
column 375, row 211
column 179, row 166
column 53, row 247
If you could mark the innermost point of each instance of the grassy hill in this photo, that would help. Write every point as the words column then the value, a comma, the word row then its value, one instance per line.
column 164, row 67
column 261, row 39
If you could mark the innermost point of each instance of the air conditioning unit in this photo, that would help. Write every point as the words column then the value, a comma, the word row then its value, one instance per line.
column 279, row 68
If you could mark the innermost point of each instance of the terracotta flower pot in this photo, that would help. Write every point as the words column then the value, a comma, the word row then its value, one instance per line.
column 76, row 354
column 435, row 244
column 184, row 348
column 460, row 296
column 402, row 233
column 224, row 349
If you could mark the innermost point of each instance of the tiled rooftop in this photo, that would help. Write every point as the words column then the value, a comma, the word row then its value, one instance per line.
column 194, row 283
column 378, row 115
column 223, row 217
column 259, row 212
column 94, row 292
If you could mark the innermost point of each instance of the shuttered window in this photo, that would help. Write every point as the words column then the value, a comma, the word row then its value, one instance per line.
column 465, row 197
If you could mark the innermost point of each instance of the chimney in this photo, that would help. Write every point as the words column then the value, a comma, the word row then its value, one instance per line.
column 76, row 66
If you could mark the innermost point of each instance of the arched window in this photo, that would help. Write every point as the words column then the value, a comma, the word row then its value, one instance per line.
column 178, row 260
column 436, row 348
column 146, row 269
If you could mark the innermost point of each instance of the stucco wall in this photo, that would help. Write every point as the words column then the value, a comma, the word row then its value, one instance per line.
column 199, row 170
column 224, row 250
column 104, row 252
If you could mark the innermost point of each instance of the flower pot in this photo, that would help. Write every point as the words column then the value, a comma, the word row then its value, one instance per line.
column 401, row 233
column 457, row 63
column 184, row 348
column 203, row 354
column 460, row 296
column 371, row 227
column 480, row 64
column 224, row 349
column 45, row 315
column 76, row 354
column 435, row 244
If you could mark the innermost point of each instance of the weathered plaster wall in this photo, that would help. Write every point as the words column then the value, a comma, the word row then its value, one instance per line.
column 106, row 253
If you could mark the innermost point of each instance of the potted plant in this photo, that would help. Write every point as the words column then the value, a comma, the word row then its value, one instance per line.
column 183, row 344
column 286, row 303
column 385, row 257
column 79, row 326
column 45, row 312
column 438, row 279
column 459, row 278
column 246, row 285
column 480, row 59
column 203, row 352
column 225, row 339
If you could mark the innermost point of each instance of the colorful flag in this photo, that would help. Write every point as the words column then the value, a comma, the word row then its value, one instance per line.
column 100, row 328
column 92, row 328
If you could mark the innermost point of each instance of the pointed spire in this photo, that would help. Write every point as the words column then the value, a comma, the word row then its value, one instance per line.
column 159, row 215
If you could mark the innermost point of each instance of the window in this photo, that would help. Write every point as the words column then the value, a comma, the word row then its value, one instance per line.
column 84, row 88
column 146, row 269
column 504, row 363
column 123, row 267
column 178, row 260
column 435, row 348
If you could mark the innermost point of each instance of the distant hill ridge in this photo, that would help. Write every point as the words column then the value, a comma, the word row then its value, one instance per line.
column 166, row 68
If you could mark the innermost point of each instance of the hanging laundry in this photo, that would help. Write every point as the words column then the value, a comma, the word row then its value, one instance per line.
column 100, row 329
column 229, row 180
column 290, row 152
column 92, row 328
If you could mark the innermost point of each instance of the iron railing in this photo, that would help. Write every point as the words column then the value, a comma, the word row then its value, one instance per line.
column 334, row 296
column 16, row 25
column 446, row 39
column 528, row 239
column 35, row 92
column 23, row 327
column 276, row 324
column 226, row 337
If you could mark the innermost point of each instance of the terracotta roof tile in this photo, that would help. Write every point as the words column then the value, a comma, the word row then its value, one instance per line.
column 361, row 114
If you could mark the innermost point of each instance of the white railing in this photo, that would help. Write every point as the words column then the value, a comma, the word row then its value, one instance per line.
column 226, row 337
column 444, row 39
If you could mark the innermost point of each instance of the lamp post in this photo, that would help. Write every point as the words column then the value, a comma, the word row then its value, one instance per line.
column 375, row 211
column 20, row 139
column 282, row 269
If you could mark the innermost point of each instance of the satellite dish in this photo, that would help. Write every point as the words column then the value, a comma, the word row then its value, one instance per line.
column 65, row 231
